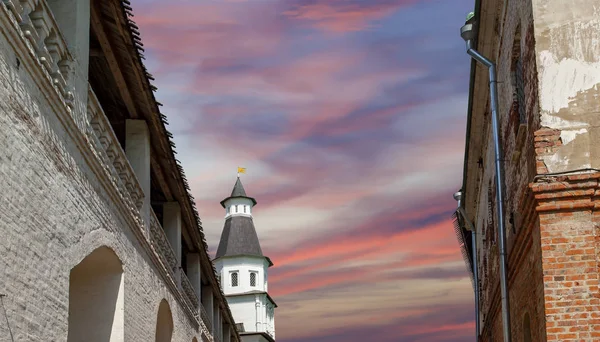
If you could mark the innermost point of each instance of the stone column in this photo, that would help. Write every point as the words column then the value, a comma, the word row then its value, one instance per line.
column 73, row 19
column 172, row 227
column 207, row 302
column 216, row 320
column 226, row 333
column 137, row 149
column 194, row 271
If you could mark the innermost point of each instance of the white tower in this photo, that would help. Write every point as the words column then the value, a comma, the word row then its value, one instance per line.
column 242, row 268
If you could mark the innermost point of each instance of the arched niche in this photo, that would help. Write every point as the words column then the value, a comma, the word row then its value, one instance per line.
column 96, row 298
column 164, row 322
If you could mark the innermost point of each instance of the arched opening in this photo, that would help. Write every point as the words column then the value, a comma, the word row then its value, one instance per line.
column 164, row 323
column 526, row 328
column 96, row 298
column 194, row 340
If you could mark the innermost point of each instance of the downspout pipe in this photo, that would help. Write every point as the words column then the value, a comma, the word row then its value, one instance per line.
column 467, row 32
column 471, row 228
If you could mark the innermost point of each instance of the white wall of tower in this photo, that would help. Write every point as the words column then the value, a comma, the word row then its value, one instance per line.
column 238, row 207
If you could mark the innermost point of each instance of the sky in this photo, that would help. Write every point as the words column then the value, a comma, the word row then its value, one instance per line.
column 350, row 118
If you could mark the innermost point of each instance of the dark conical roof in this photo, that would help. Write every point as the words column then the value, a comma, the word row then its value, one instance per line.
column 238, row 189
column 239, row 238
column 238, row 192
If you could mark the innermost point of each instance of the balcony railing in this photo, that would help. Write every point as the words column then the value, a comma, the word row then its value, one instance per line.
column 45, row 41
column 205, row 319
column 111, row 154
column 161, row 245
column 190, row 294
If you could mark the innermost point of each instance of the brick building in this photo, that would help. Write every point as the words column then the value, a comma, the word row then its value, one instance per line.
column 100, row 239
column 547, row 55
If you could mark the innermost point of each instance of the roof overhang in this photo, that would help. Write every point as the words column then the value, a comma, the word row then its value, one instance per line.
column 263, row 334
column 232, row 197
column 254, row 293
column 245, row 255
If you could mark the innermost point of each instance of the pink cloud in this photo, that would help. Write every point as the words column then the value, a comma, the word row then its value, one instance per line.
column 340, row 16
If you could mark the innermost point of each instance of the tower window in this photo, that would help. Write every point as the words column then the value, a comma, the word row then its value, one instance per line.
column 234, row 279
column 244, row 209
column 253, row 279
column 237, row 210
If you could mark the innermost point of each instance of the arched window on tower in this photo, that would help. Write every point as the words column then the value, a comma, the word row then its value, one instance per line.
column 244, row 209
column 253, row 277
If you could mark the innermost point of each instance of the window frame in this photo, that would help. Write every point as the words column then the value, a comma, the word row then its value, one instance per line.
column 255, row 273
column 237, row 278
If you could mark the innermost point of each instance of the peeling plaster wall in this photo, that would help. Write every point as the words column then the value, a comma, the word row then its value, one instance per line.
column 567, row 35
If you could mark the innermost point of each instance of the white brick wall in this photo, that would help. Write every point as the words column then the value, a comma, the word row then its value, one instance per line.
column 54, row 211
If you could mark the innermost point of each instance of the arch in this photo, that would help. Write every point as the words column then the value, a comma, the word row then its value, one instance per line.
column 92, row 241
column 526, row 328
column 164, row 322
column 194, row 340
column 96, row 298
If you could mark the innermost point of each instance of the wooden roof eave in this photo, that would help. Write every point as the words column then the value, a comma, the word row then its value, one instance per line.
column 138, row 93
column 478, row 120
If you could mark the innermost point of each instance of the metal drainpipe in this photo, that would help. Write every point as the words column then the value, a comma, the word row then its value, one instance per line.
column 471, row 228
column 468, row 35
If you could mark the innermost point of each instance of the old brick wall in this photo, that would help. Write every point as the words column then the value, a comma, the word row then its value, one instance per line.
column 568, row 69
column 54, row 212
column 569, row 230
column 516, row 42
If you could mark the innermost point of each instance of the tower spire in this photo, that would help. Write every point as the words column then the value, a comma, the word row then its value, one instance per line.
column 242, row 268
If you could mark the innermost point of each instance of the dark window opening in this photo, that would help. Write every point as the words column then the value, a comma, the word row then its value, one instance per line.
column 234, row 279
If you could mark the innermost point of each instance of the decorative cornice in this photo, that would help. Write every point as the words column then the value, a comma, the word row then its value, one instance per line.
column 566, row 192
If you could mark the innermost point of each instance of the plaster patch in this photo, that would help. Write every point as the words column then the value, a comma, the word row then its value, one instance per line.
column 556, row 122
column 561, row 80
column 561, row 163
column 568, row 136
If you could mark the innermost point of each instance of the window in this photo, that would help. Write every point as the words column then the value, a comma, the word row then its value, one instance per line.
column 244, row 209
column 237, row 210
column 253, row 277
column 234, row 279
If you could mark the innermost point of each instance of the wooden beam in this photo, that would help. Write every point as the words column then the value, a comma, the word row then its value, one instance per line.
column 94, row 52
column 99, row 30
column 107, row 50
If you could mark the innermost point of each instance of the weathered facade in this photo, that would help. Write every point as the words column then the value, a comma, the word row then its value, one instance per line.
column 547, row 54
column 100, row 237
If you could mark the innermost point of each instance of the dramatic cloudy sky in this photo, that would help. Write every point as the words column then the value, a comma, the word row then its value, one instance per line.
column 349, row 116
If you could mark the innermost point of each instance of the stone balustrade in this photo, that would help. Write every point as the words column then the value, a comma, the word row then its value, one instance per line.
column 190, row 295
column 205, row 319
column 41, row 36
column 161, row 245
column 46, row 42
column 112, row 156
